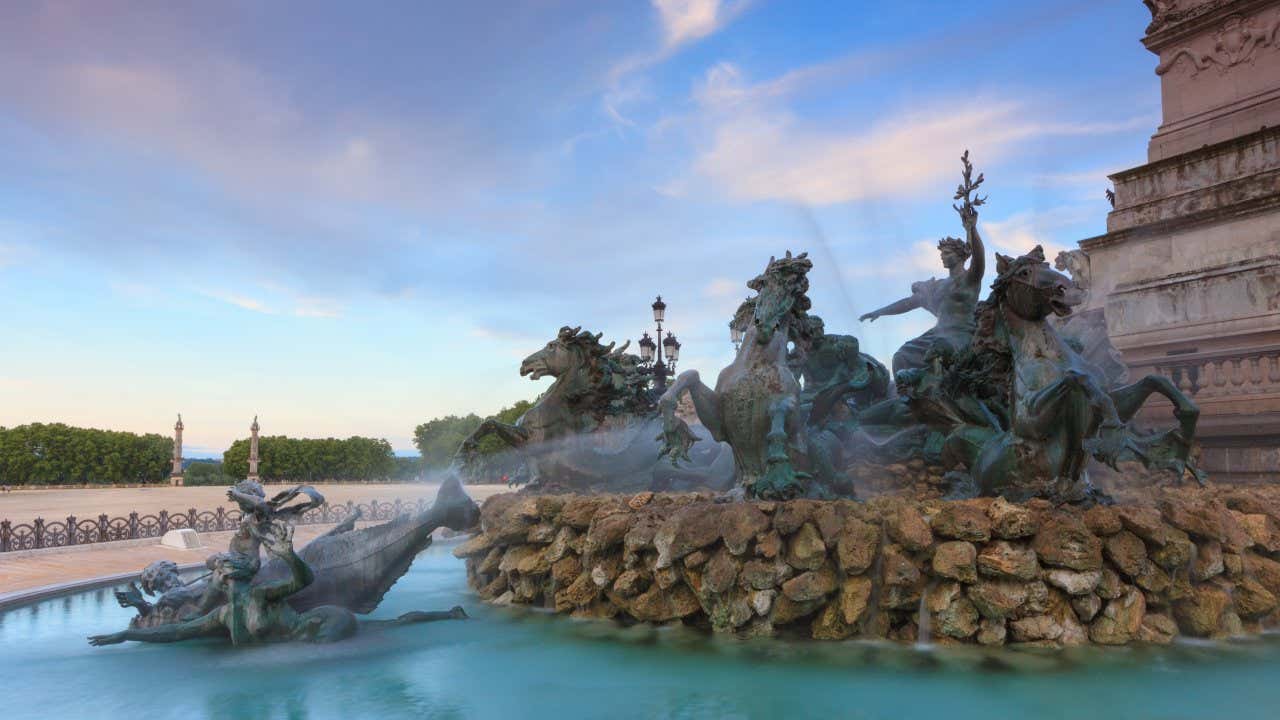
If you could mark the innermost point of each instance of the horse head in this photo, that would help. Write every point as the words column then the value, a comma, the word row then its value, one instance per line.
column 578, row 355
column 1029, row 288
column 560, row 356
column 780, row 294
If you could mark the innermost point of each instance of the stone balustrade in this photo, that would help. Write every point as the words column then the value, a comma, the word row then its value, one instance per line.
column 1192, row 562
column 1215, row 375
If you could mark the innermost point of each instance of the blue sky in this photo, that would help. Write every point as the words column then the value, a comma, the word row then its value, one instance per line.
column 350, row 219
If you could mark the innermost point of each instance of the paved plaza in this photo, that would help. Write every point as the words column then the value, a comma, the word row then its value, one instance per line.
column 23, row 571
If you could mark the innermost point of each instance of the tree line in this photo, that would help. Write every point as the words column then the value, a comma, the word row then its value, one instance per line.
column 286, row 459
column 438, row 440
column 58, row 454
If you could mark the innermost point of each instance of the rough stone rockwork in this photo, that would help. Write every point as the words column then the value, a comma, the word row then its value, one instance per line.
column 1188, row 272
column 1200, row 563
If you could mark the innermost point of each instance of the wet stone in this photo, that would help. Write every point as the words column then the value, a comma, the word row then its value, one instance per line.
column 1002, row 558
column 1065, row 542
column 1011, row 521
column 962, row 521
column 805, row 549
column 1073, row 582
column 956, row 560
column 908, row 528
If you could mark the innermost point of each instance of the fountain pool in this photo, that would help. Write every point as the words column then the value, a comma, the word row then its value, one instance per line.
column 511, row 663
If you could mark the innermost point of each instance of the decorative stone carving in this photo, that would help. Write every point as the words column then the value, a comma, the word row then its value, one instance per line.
column 1235, row 41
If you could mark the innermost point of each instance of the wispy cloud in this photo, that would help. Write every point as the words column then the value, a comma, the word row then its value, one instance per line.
column 277, row 300
column 686, row 21
column 1020, row 232
column 682, row 22
column 724, row 287
column 758, row 148
column 241, row 301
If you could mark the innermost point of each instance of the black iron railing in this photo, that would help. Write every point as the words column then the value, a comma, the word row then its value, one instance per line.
column 74, row 531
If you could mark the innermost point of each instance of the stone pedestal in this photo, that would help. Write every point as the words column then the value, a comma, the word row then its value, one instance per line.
column 182, row 539
column 1189, row 269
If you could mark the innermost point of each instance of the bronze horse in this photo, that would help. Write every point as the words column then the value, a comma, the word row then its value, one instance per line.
column 755, row 405
column 595, row 427
column 1059, row 412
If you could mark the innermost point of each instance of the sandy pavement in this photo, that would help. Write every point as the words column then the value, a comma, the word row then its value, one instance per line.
column 22, row 571
column 20, row 506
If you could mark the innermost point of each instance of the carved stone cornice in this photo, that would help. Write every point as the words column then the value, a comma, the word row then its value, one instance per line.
column 1237, row 40
column 1174, row 21
column 1211, row 216
column 1262, row 264
column 1225, row 180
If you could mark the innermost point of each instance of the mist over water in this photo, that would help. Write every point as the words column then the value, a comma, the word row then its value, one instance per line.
column 520, row 663
column 625, row 457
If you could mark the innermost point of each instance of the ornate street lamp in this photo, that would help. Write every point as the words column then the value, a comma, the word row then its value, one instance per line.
column 672, row 348
column 652, row 350
column 647, row 346
column 735, row 336
column 659, row 310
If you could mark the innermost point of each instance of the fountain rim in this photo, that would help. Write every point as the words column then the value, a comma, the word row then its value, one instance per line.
column 30, row 596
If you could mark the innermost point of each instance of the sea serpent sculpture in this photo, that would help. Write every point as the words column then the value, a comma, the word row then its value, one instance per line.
column 309, row 595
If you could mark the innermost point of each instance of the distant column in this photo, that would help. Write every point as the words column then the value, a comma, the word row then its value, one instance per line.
column 253, row 449
column 176, row 477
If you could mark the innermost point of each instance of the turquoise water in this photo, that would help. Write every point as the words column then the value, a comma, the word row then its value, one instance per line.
column 521, row 664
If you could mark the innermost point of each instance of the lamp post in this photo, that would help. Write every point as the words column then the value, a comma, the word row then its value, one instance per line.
column 652, row 351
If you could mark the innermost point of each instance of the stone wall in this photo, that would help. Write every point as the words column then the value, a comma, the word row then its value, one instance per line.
column 1201, row 563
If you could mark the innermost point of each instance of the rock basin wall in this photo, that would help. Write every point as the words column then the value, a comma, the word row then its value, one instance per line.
column 1196, row 563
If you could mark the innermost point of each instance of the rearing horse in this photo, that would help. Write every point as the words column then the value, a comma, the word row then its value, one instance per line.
column 755, row 404
column 1060, row 413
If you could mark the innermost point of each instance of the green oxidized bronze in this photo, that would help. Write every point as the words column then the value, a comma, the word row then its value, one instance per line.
column 595, row 427
column 953, row 298
column 992, row 393
column 1017, row 411
column 290, row 597
column 1059, row 411
column 786, row 440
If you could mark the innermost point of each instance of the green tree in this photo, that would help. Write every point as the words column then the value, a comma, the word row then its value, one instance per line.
column 59, row 454
column 206, row 472
column 285, row 459
column 438, row 440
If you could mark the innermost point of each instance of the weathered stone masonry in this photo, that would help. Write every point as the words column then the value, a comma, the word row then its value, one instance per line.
column 1200, row 563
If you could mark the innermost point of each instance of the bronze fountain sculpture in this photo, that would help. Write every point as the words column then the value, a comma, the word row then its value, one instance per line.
column 595, row 428
column 993, row 392
column 308, row 595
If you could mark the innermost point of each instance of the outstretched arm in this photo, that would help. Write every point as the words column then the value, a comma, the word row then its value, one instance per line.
column 207, row 625
column 249, row 503
column 279, row 542
column 133, row 598
column 906, row 304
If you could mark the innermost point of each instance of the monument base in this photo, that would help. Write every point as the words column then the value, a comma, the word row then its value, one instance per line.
column 1200, row 563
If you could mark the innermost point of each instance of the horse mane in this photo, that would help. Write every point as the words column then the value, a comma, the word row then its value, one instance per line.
column 985, row 367
column 792, row 271
column 615, row 383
